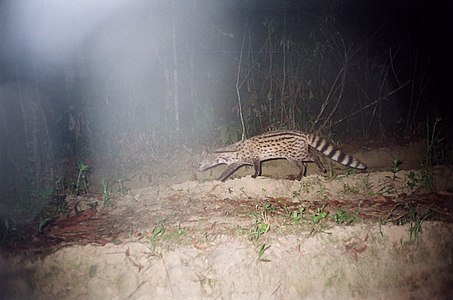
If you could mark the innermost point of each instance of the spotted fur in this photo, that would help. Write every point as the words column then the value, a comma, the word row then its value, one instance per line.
column 290, row 145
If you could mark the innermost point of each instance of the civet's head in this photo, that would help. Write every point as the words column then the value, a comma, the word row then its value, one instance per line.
column 214, row 159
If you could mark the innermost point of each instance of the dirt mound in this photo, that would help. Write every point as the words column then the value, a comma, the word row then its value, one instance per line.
column 246, row 239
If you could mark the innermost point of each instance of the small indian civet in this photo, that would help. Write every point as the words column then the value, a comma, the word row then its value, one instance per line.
column 289, row 144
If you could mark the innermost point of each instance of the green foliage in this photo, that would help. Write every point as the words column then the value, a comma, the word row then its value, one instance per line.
column 322, row 190
column 261, row 250
column 343, row 217
column 416, row 222
column 415, row 231
column 121, row 188
column 82, row 184
column 396, row 167
column 366, row 185
column 268, row 207
column 320, row 215
column 259, row 228
column 350, row 189
column 161, row 234
column 261, row 222
column 296, row 216
column 330, row 170
column 158, row 231
column 43, row 224
column 413, row 180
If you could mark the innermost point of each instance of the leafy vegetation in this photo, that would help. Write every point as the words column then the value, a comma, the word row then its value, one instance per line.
column 320, row 215
column 343, row 217
column 350, row 189
column 261, row 223
column 262, row 249
column 396, row 167
column 82, row 184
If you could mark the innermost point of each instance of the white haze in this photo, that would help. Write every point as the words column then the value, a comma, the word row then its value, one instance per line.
column 51, row 30
column 118, row 47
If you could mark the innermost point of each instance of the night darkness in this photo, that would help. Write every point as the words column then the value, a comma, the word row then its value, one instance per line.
column 120, row 84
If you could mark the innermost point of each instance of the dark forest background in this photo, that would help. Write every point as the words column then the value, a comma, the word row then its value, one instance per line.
column 126, row 85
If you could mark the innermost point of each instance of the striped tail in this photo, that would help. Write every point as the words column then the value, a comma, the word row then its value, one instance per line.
column 333, row 153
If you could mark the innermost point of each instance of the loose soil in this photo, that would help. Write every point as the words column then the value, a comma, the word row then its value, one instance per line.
column 180, row 234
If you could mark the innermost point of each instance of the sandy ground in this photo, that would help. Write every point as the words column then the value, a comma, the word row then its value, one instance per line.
column 266, row 238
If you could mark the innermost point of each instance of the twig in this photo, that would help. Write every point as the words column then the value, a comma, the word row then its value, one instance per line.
column 329, row 96
column 340, row 95
column 372, row 103
column 238, row 93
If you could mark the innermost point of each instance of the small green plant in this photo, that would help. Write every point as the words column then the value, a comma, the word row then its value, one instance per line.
column 385, row 190
column 415, row 219
column 426, row 178
column 343, row 217
column 158, row 231
column 259, row 228
column 415, row 225
column 296, row 194
column 121, row 188
column 367, row 185
column 396, row 167
column 412, row 180
column 106, row 193
column 350, row 171
column 330, row 170
column 350, row 189
column 261, row 222
column 414, row 231
column 387, row 187
column 320, row 214
column 44, row 223
column 297, row 215
column 178, row 233
column 261, row 250
column 305, row 187
column 156, row 235
column 81, row 178
column 268, row 207
column 322, row 191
